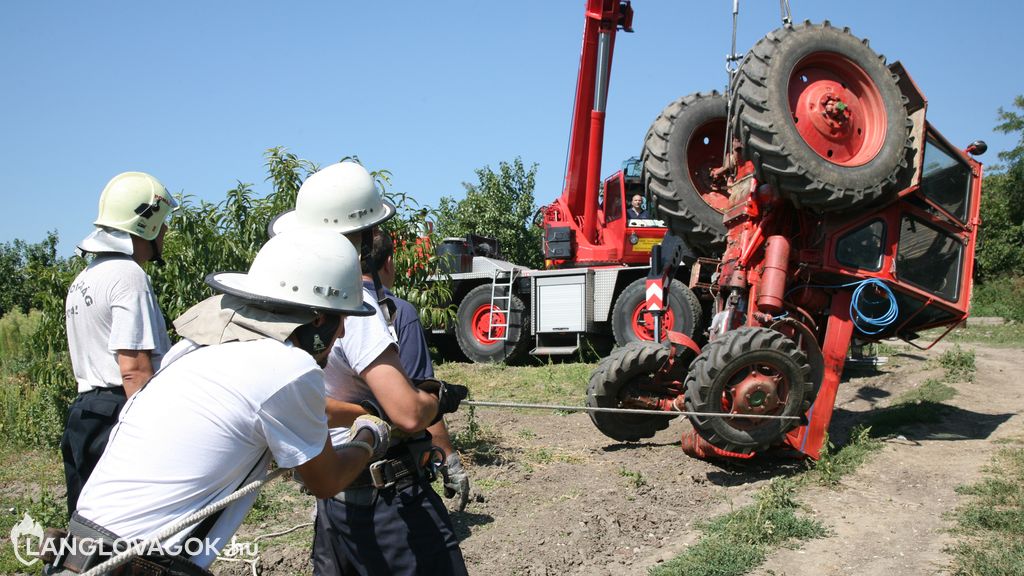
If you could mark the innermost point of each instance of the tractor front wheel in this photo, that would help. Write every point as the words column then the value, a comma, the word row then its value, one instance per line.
column 754, row 371
column 486, row 332
column 634, row 376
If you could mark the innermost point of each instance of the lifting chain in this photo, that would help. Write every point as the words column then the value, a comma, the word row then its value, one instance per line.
column 656, row 413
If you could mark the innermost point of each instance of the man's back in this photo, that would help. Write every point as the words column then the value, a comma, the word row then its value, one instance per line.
column 110, row 307
column 200, row 428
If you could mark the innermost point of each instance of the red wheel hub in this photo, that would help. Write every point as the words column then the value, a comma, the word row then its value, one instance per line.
column 481, row 324
column 643, row 322
column 704, row 154
column 837, row 109
column 755, row 389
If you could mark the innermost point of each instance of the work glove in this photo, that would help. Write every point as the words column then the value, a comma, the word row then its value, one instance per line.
column 456, row 480
column 448, row 395
column 381, row 433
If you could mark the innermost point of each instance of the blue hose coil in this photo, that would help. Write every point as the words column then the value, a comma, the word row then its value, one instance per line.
column 873, row 324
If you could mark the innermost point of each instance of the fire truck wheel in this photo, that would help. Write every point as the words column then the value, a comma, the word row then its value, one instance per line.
column 683, row 145
column 631, row 322
column 619, row 381
column 748, row 371
column 822, row 118
column 488, row 334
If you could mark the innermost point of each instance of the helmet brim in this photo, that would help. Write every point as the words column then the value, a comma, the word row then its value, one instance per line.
column 238, row 284
column 289, row 221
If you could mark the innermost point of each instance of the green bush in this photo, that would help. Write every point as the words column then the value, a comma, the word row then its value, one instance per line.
column 999, row 297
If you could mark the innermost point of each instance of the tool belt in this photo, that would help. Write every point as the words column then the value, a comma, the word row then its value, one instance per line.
column 78, row 559
column 404, row 464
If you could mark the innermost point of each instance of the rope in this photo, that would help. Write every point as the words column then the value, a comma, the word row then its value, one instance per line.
column 655, row 413
column 180, row 525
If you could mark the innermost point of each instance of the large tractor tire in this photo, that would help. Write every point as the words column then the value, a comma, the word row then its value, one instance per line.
column 682, row 146
column 631, row 322
column 620, row 378
column 821, row 116
column 482, row 344
column 748, row 371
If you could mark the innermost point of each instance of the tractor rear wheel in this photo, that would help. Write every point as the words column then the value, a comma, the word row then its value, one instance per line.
column 685, row 142
column 488, row 334
column 631, row 322
column 623, row 379
column 748, row 371
column 822, row 118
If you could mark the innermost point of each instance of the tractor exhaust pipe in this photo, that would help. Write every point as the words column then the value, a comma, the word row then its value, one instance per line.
column 773, row 279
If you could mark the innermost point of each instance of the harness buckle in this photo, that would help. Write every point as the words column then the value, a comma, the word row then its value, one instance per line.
column 380, row 471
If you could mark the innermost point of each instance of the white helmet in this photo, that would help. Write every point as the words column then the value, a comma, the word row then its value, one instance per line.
column 304, row 268
column 136, row 203
column 341, row 197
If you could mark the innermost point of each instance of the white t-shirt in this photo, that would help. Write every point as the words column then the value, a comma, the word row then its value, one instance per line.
column 201, row 427
column 110, row 307
column 366, row 338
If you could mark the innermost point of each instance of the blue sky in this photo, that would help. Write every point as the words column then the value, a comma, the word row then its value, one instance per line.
column 195, row 92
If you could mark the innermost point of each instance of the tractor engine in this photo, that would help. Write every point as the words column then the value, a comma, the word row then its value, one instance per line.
column 837, row 212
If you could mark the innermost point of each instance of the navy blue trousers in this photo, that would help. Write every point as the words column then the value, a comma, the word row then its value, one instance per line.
column 90, row 418
column 400, row 532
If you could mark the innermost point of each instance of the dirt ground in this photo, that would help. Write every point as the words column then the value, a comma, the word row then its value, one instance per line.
column 560, row 498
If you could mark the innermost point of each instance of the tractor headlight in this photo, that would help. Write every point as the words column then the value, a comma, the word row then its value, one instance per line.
column 633, row 238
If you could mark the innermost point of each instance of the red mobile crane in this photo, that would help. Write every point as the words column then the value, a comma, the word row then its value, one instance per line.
column 596, row 257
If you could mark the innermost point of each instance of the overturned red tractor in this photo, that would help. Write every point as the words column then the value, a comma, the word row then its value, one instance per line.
column 825, row 208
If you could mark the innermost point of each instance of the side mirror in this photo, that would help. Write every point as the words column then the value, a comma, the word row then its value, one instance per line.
column 977, row 148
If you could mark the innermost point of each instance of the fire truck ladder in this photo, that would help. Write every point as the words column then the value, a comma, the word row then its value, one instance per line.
column 501, row 302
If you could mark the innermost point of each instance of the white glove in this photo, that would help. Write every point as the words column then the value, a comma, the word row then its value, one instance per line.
column 456, row 480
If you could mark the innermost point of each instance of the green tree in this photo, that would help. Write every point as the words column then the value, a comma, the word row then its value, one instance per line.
column 22, row 266
column 500, row 205
column 205, row 237
column 1001, row 238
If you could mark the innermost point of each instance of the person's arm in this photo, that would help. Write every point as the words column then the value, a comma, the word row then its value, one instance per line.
column 136, row 369
column 407, row 407
column 342, row 413
column 332, row 471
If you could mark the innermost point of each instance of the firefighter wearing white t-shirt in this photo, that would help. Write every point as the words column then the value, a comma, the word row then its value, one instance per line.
column 243, row 387
column 390, row 521
column 116, row 331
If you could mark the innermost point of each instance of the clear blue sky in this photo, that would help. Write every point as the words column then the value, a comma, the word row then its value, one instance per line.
column 195, row 92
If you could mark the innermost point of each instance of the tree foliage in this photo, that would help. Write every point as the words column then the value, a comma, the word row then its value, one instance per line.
column 1001, row 238
column 203, row 237
column 499, row 205
column 22, row 267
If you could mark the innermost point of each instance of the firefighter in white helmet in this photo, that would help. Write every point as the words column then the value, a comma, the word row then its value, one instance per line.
column 243, row 387
column 390, row 520
column 116, row 331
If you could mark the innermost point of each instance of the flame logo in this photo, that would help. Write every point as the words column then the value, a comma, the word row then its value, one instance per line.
column 26, row 530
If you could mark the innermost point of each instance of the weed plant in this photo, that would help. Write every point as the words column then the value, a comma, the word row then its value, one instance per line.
column 736, row 542
column 990, row 525
column 958, row 364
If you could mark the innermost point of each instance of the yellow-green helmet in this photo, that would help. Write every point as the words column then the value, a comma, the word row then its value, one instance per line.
column 136, row 203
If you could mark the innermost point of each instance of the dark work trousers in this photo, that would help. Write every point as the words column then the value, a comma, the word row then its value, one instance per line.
column 90, row 418
column 401, row 532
